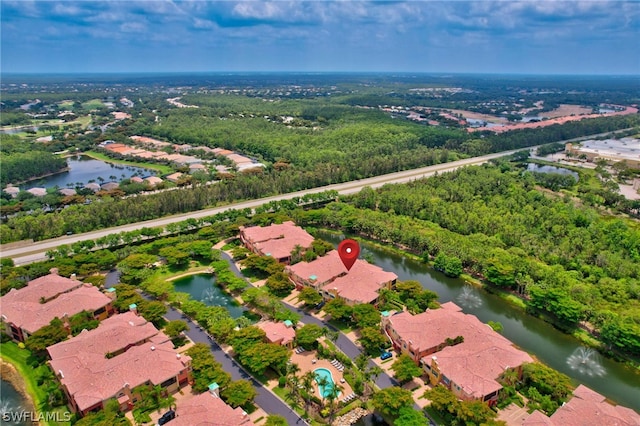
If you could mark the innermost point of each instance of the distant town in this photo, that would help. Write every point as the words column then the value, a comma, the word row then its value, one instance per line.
column 502, row 292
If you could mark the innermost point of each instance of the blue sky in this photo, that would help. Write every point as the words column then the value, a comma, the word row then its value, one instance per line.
column 530, row 37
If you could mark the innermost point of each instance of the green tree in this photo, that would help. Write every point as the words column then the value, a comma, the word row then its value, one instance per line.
column 47, row 336
column 410, row 417
column 366, row 315
column 153, row 310
column 280, row 284
column 175, row 327
column 372, row 340
column 391, row 400
column 405, row 368
column 307, row 336
column 238, row 393
column 338, row 309
column 310, row 296
column 276, row 420
column 261, row 356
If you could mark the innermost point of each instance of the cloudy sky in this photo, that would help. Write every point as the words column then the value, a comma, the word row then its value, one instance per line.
column 532, row 37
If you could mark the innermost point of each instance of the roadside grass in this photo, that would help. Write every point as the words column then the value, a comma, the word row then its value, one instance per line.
column 11, row 353
column 161, row 168
column 434, row 415
column 344, row 328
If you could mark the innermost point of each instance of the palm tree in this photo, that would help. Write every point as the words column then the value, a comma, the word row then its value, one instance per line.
column 334, row 392
column 306, row 381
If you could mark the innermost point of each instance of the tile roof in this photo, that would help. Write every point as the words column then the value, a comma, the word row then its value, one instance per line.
column 32, row 316
column 277, row 240
column 47, row 287
column 112, row 335
column 277, row 332
column 588, row 407
column 474, row 364
column 91, row 378
column 361, row 283
column 207, row 409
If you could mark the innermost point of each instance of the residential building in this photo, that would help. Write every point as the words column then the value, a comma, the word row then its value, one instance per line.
column 153, row 181
column 38, row 192
column 30, row 308
column 587, row 407
column 456, row 349
column 111, row 361
column 327, row 274
column 174, row 177
column 208, row 409
column 281, row 333
column 277, row 240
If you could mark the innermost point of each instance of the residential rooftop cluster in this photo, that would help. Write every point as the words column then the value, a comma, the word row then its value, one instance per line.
column 609, row 150
column 327, row 274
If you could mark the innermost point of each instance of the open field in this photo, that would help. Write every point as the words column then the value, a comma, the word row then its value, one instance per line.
column 565, row 109
column 92, row 104
column 479, row 116
column 160, row 168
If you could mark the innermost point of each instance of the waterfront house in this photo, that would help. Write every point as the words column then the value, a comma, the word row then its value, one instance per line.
column 24, row 311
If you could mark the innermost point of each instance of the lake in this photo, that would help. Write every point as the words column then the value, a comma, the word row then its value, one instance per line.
column 558, row 350
column 84, row 169
column 11, row 401
column 203, row 287
column 533, row 167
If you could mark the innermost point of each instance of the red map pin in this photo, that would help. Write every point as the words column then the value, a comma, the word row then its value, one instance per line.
column 349, row 250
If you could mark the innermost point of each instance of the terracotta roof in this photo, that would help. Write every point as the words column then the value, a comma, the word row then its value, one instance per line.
column 112, row 335
column 174, row 177
column 32, row 316
column 91, row 378
column 475, row 365
column 588, row 407
column 319, row 271
column 47, row 287
column 277, row 240
column 153, row 180
column 361, row 283
column 238, row 159
column 207, row 409
column 537, row 419
column 277, row 332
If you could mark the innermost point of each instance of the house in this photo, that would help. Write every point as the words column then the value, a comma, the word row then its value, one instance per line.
column 12, row 190
column 93, row 186
column 198, row 167
column 208, row 409
column 136, row 179
column 38, row 192
column 174, row 177
column 456, row 350
column 277, row 241
column 153, row 181
column 328, row 275
column 109, row 186
column 112, row 360
column 67, row 192
column 30, row 308
column 587, row 407
column 281, row 333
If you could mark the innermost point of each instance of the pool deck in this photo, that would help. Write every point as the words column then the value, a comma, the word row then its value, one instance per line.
column 305, row 362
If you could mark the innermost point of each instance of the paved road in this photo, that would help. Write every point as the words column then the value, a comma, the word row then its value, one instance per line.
column 24, row 253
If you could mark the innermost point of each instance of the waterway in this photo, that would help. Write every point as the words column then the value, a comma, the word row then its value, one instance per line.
column 84, row 169
column 203, row 287
column 618, row 382
column 11, row 401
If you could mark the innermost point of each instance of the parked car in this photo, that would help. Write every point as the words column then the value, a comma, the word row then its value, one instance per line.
column 386, row 355
column 167, row 417
column 320, row 305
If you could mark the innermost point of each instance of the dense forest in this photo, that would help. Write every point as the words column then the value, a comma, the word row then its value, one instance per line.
column 22, row 161
column 565, row 259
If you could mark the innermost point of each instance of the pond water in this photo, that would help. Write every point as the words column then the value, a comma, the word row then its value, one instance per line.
column 203, row 287
column 20, row 129
column 83, row 169
column 539, row 168
column 11, row 401
column 558, row 350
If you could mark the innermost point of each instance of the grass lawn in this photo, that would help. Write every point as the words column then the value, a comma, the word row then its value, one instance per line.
column 161, row 168
column 341, row 326
column 10, row 352
column 92, row 104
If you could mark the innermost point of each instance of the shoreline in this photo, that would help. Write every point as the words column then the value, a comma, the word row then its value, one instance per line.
column 11, row 375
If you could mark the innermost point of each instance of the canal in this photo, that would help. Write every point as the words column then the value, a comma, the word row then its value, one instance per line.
column 11, row 402
column 558, row 350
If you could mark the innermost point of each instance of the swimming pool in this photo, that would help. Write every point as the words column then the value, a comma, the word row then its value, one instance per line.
column 323, row 373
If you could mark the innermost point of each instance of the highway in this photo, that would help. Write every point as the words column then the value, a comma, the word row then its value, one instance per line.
column 25, row 253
